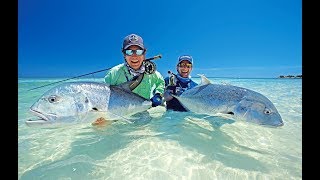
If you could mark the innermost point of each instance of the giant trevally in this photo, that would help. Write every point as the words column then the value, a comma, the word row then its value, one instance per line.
column 77, row 102
column 239, row 103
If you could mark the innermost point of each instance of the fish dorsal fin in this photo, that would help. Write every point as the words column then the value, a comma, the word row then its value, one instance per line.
column 204, row 80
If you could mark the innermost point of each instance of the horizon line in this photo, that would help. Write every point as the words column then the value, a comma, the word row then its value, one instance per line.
column 197, row 77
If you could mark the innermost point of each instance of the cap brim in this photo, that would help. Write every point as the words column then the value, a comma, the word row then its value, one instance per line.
column 185, row 60
column 133, row 45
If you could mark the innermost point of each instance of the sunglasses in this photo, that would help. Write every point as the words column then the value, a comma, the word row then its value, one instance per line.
column 187, row 65
column 130, row 52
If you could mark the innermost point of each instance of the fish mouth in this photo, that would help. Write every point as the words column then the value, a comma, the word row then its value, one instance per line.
column 39, row 114
column 278, row 124
column 42, row 119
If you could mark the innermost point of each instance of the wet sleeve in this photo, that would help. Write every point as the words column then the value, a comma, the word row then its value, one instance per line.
column 167, row 95
column 159, row 84
column 167, row 92
column 166, row 81
column 109, row 78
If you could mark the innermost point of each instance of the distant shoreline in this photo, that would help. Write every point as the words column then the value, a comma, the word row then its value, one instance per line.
column 290, row 77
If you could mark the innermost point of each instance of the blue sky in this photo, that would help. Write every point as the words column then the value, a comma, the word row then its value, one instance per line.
column 230, row 38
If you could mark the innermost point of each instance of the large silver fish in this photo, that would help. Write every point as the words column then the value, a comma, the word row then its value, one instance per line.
column 76, row 102
column 238, row 103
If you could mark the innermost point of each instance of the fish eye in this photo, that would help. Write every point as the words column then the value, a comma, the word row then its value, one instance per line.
column 267, row 111
column 52, row 99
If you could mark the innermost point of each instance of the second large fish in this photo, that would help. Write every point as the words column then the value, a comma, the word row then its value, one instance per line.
column 239, row 103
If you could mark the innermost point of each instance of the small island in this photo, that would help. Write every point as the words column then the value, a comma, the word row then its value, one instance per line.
column 291, row 76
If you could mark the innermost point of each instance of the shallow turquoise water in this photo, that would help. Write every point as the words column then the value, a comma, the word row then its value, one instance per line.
column 170, row 145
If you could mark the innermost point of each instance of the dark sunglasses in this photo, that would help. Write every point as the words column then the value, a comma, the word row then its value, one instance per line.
column 187, row 65
column 130, row 52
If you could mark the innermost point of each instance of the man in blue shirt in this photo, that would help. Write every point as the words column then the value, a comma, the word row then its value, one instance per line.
column 177, row 83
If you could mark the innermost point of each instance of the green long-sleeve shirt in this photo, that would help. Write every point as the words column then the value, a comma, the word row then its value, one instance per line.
column 150, row 84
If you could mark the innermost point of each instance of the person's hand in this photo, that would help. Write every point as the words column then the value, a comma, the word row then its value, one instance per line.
column 156, row 100
column 167, row 95
column 179, row 91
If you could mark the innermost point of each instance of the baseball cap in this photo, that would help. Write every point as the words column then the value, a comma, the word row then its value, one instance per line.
column 185, row 58
column 132, row 39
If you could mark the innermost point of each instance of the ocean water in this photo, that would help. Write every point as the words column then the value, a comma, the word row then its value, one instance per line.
column 170, row 145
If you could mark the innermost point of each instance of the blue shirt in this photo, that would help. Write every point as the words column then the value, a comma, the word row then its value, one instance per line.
column 181, row 84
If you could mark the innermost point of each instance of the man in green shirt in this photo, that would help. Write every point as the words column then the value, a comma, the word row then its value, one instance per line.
column 152, row 85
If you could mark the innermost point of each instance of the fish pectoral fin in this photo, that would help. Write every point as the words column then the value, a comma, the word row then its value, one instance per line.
column 226, row 114
column 94, row 109
column 229, row 112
